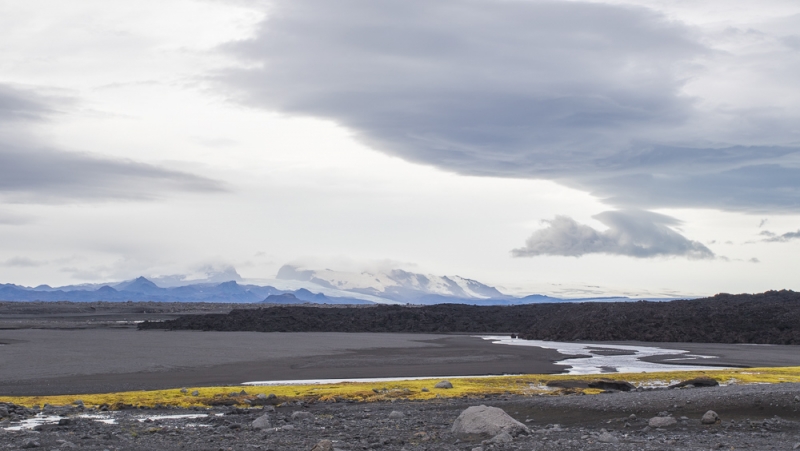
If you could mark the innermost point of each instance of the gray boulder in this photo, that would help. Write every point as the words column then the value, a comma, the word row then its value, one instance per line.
column 710, row 417
column 443, row 384
column 662, row 422
column 486, row 422
column 262, row 422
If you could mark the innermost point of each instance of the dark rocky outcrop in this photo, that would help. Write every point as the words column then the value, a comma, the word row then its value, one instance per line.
column 767, row 318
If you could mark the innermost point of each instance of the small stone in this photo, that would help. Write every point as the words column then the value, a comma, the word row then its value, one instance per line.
column 632, row 416
column 30, row 443
column 261, row 396
column 195, row 393
column 503, row 437
column 302, row 415
column 184, row 390
column 323, row 445
column 710, row 417
column 605, row 437
column 477, row 448
column 796, row 446
column 443, row 384
column 425, row 390
column 262, row 422
column 78, row 403
column 396, row 415
column 662, row 422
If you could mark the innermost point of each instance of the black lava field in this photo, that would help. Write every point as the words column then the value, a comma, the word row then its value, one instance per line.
column 772, row 317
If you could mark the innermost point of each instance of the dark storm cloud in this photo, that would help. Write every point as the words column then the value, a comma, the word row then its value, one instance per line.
column 581, row 93
column 637, row 234
column 31, row 171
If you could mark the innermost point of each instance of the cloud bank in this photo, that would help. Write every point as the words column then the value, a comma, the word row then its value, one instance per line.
column 32, row 171
column 637, row 234
column 589, row 95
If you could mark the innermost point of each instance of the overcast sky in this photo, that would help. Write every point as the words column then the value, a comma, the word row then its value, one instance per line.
column 556, row 147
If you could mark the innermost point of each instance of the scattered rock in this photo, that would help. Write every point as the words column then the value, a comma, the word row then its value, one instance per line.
column 696, row 382
column 710, row 417
column 184, row 390
column 425, row 390
column 661, row 422
column 567, row 384
column 608, row 384
column 302, row 415
column 443, row 384
column 395, row 415
column 483, row 421
column 605, row 437
column 3, row 412
column 323, row 445
column 78, row 403
column 262, row 422
column 195, row 393
column 30, row 443
column 501, row 438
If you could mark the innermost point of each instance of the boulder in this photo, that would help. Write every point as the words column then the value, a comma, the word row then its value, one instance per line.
column 486, row 422
column 662, row 422
column 696, row 382
column 608, row 384
column 443, row 384
column 323, row 445
column 262, row 422
column 710, row 417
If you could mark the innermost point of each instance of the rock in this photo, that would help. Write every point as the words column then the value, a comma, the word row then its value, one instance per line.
column 323, row 445
column 395, row 415
column 262, row 422
column 486, row 422
column 710, row 417
column 3, row 412
column 78, row 403
column 261, row 396
column 503, row 437
column 301, row 415
column 661, row 422
column 195, row 393
column 797, row 399
column 608, row 384
column 30, row 443
column 605, row 437
column 567, row 384
column 697, row 382
column 425, row 390
column 796, row 446
column 443, row 384
column 184, row 390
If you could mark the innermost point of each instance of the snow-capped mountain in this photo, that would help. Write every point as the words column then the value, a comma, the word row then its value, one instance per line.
column 396, row 284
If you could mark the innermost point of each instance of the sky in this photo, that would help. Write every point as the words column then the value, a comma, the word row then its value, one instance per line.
column 557, row 147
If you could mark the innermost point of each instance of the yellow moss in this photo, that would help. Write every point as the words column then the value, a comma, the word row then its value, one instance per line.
column 533, row 384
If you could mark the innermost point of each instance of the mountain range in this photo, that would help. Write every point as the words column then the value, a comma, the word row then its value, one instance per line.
column 293, row 285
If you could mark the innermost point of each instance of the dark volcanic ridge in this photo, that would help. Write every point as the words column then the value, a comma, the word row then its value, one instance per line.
column 772, row 317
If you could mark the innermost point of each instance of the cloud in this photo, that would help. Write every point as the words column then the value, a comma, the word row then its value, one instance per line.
column 32, row 171
column 23, row 262
column 589, row 95
column 637, row 234
column 773, row 238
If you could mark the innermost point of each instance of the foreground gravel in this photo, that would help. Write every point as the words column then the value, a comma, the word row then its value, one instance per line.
column 757, row 417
